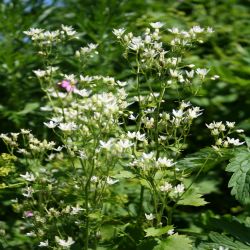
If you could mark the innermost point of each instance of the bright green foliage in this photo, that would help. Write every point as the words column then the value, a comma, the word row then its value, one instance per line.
column 226, row 241
column 192, row 198
column 175, row 241
column 205, row 158
column 240, row 180
column 157, row 231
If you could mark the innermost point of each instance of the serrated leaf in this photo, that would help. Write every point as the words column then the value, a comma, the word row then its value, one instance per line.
column 240, row 180
column 226, row 241
column 151, row 231
column 175, row 241
column 206, row 158
column 192, row 198
column 232, row 226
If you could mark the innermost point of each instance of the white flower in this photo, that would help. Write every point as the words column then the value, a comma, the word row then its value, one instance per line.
column 140, row 137
column 178, row 113
column 164, row 162
column 132, row 117
column 94, row 179
column 136, row 43
column 174, row 72
column 230, row 124
column 68, row 30
column 156, row 25
column 28, row 176
column 174, row 30
column 190, row 74
column 179, row 189
column 111, row 181
column 125, row 144
column 194, row 112
column 76, row 210
column 197, row 29
column 28, row 192
column 221, row 248
column 44, row 243
column 166, row 187
column 235, row 142
column 64, row 243
column 118, row 32
column 68, row 126
column 149, row 216
column 202, row 72
column 39, row 73
column 210, row 30
column 170, row 232
column 107, row 145
column 50, row 124
column 148, row 156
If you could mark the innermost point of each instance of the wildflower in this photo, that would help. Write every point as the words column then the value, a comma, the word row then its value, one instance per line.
column 221, row 248
column 68, row 126
column 50, row 124
column 178, row 113
column 64, row 243
column 44, row 243
column 164, row 162
column 28, row 214
column 68, row 30
column 166, row 187
column 170, row 232
column 39, row 73
column 235, row 142
column 118, row 32
column 136, row 43
column 67, row 85
column 107, row 145
column 197, row 29
column 190, row 74
column 94, row 179
column 28, row 176
column 125, row 144
column 148, row 156
column 174, row 30
column 76, row 210
column 202, row 72
column 111, row 181
column 230, row 124
column 149, row 216
column 210, row 30
column 28, row 192
column 179, row 189
column 174, row 73
column 31, row 234
column 194, row 112
column 156, row 25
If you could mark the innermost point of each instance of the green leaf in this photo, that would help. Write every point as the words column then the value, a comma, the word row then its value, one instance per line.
column 29, row 107
column 205, row 158
column 192, row 198
column 240, row 180
column 175, row 241
column 226, row 241
column 232, row 226
column 151, row 231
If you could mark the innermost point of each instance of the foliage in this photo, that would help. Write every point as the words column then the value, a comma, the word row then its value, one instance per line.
column 119, row 156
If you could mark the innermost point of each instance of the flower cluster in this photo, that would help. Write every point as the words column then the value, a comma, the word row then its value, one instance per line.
column 221, row 131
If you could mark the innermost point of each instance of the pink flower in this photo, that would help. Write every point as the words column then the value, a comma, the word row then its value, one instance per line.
column 65, row 84
column 28, row 214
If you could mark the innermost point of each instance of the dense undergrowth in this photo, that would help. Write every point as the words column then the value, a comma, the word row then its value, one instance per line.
column 124, row 125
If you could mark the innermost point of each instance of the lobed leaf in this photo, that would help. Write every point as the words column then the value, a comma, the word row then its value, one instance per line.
column 240, row 180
